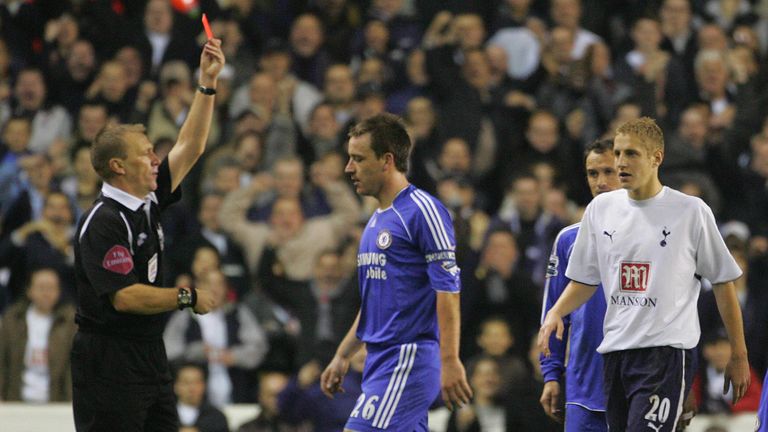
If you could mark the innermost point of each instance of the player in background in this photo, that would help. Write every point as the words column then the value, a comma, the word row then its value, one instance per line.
column 650, row 246
column 584, row 397
column 762, row 411
column 409, row 284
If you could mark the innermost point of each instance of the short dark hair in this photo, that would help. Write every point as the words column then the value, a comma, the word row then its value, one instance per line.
column 501, row 230
column 40, row 269
column 475, row 361
column 248, row 134
column 179, row 366
column 388, row 135
column 599, row 146
column 525, row 174
column 91, row 104
column 110, row 143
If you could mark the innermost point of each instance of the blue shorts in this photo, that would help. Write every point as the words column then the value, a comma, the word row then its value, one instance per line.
column 580, row 419
column 762, row 411
column 646, row 388
column 400, row 382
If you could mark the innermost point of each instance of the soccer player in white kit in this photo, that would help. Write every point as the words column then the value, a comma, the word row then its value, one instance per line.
column 650, row 246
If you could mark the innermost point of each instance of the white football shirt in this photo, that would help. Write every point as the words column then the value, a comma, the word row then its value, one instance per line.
column 650, row 256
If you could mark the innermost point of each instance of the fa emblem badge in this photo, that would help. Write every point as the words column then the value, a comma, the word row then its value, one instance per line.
column 384, row 239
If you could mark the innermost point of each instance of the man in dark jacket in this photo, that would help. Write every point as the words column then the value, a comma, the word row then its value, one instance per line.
column 195, row 414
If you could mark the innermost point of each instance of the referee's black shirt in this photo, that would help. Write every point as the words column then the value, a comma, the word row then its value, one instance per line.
column 117, row 246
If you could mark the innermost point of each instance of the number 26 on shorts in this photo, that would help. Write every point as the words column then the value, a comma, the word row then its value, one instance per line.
column 368, row 408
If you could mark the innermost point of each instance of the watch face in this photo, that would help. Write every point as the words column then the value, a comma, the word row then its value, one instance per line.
column 185, row 299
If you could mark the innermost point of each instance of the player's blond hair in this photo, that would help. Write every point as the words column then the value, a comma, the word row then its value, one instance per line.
column 645, row 129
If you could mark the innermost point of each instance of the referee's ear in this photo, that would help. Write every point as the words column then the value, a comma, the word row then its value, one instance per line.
column 116, row 166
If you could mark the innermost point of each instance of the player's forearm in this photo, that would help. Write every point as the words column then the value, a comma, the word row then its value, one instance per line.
column 730, row 312
column 350, row 344
column 448, row 321
column 145, row 299
column 575, row 295
column 553, row 366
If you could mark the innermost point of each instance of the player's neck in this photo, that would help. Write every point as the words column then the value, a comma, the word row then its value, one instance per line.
column 648, row 190
column 390, row 189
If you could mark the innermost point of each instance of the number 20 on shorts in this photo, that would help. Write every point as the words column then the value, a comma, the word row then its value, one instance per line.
column 660, row 405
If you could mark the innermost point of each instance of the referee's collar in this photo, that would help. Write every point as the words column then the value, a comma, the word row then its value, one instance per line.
column 124, row 198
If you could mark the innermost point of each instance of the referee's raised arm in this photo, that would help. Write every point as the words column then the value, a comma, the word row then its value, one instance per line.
column 194, row 132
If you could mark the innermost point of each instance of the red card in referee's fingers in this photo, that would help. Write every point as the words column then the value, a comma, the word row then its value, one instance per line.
column 207, row 27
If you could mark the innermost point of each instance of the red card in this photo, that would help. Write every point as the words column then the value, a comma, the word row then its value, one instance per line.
column 207, row 27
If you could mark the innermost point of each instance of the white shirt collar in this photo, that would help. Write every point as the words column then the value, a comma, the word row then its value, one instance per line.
column 124, row 197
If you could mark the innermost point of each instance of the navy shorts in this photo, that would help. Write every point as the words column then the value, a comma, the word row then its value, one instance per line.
column 580, row 419
column 646, row 388
column 400, row 382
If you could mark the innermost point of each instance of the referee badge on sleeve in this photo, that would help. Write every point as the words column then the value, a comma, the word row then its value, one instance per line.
column 118, row 259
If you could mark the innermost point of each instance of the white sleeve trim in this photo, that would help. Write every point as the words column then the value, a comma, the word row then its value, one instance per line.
column 130, row 233
column 403, row 222
column 433, row 220
column 446, row 291
column 88, row 220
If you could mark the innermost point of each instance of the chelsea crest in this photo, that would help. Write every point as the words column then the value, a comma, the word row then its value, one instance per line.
column 384, row 239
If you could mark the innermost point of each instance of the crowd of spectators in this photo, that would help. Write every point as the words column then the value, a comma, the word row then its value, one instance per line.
column 499, row 96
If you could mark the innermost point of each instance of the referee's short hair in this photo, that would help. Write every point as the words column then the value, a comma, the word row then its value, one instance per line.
column 388, row 135
column 110, row 143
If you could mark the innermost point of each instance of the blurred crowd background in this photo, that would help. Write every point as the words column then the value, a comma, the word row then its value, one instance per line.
column 500, row 98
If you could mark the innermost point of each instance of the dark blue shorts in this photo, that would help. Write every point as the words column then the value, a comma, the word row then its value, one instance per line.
column 646, row 388
column 580, row 419
column 400, row 382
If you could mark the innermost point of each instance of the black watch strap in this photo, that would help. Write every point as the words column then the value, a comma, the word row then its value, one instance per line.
column 193, row 291
column 206, row 90
column 186, row 298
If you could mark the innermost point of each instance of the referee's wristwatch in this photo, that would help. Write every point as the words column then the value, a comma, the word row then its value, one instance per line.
column 187, row 298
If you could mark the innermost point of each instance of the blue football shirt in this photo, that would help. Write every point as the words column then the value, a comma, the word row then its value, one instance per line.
column 584, row 374
column 407, row 253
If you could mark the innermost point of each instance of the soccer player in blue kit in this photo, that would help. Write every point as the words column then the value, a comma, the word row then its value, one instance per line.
column 762, row 411
column 584, row 397
column 409, row 283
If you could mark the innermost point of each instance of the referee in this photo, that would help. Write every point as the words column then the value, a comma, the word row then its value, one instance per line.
column 120, row 375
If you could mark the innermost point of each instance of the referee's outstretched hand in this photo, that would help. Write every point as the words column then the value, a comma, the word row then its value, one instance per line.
column 205, row 302
column 211, row 60
column 737, row 374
